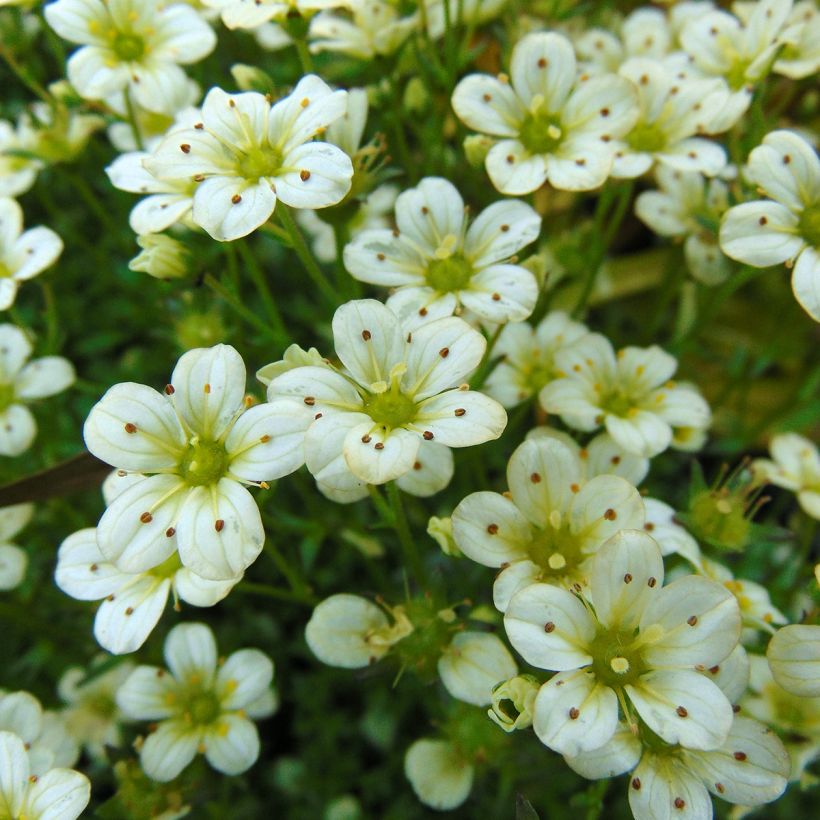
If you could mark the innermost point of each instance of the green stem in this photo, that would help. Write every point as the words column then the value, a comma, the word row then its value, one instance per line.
column 487, row 365
column 278, row 326
column 283, row 565
column 310, row 264
column 408, row 545
column 278, row 594
column 248, row 315
column 52, row 321
column 305, row 58
column 92, row 200
column 132, row 120
column 23, row 75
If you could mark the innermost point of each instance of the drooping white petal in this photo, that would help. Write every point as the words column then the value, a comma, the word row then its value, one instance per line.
column 44, row 377
column 519, row 575
column 199, row 591
column 233, row 746
column 620, row 754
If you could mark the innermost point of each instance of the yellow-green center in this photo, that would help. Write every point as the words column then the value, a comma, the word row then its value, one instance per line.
column 128, row 47
column 204, row 462
column 168, row 568
column 5, row 270
column 260, row 162
column 809, row 225
column 647, row 137
column 541, row 133
column 615, row 660
column 204, row 708
column 390, row 409
column 556, row 551
column 6, row 396
column 450, row 274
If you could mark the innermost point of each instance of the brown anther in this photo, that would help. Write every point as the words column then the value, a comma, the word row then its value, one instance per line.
column 736, row 708
column 487, row 97
column 692, row 620
column 170, row 532
column 198, row 177
column 309, row 401
column 365, row 439
column 417, row 465
column 130, row 428
column 636, row 783
column 379, row 445
column 510, row 159
column 649, row 526
column 542, row 63
column 580, row 162
column 169, row 390
column 682, row 711
column 129, row 610
column 786, row 159
column 610, row 514
column 492, row 528
column 574, row 713
column 219, row 525
column 236, row 199
column 425, row 210
column 206, row 388
column 427, row 435
column 423, row 311
column 741, row 756
column 720, row 788
column 549, row 626
column 496, row 297
column 381, row 257
column 264, row 439
column 146, row 518
column 459, row 411
column 367, row 335
column 94, row 567
column 680, row 803
column 185, row 148
column 762, row 220
column 304, row 175
column 714, row 669
column 604, row 112
column 444, row 352
column 628, row 578
column 199, row 125
column 651, row 583
column 535, row 478
column 505, row 228
column 574, row 488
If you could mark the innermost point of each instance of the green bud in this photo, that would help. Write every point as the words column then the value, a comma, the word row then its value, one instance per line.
column 162, row 257
column 476, row 148
column 513, row 702
column 251, row 78
column 416, row 96
column 203, row 329
column 441, row 531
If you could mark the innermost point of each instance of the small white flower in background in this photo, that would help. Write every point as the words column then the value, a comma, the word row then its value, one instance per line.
column 248, row 154
column 687, row 206
column 795, row 466
column 203, row 442
column 528, row 356
column 250, row 14
column 351, row 632
column 631, row 394
column 13, row 561
column 513, row 702
column 801, row 55
column 439, row 265
column 91, row 714
column 552, row 127
column 200, row 706
column 397, row 391
column 372, row 28
column 54, row 132
column 461, row 12
column 59, row 793
column 551, row 522
column 750, row 768
column 133, row 45
column 472, row 664
column 794, row 658
column 672, row 113
column 22, row 254
column 786, row 227
column 18, row 171
column 132, row 603
column 440, row 775
column 22, row 381
column 637, row 649
column 47, row 740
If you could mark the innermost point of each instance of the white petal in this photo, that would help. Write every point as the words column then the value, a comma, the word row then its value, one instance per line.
column 581, row 166
column 229, row 207
column 604, row 456
column 219, row 530
column 501, row 293
column 461, row 418
column 34, row 251
column 439, row 775
column 794, row 183
column 313, row 385
column 601, row 508
column 394, row 456
column 244, row 677
column 319, row 175
column 543, row 64
column 126, row 618
column 198, row 591
column 663, row 788
column 60, row 794
column 13, row 519
column 519, row 575
column 489, row 528
column 190, row 650
column 17, row 430
column 13, row 564
column 380, row 258
column 82, row 570
column 643, row 434
column 794, row 658
column 14, row 771
column 156, row 213
column 472, row 664
column 168, row 750
column 233, row 746
column 147, row 694
column 500, row 231
column 15, row 348
column 21, row 713
column 806, row 282
column 487, row 105
column 430, row 212
column 619, row 755
column 324, row 456
column 44, row 377
column 431, row 473
column 513, row 170
column 760, row 234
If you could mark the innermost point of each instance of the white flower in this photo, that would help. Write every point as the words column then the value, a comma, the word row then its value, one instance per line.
column 13, row 561
column 472, row 664
column 470, row 13
column 551, row 522
column 637, row 649
column 245, row 154
column 203, row 443
column 672, row 113
column 91, row 714
column 373, row 28
column 750, row 768
column 251, row 14
column 795, row 466
column 55, row 132
column 670, row 536
column 132, row 603
column 130, row 44
column 18, row 170
column 201, row 706
column 58, row 794
column 801, row 55
column 689, row 207
column 439, row 265
column 398, row 390
column 552, row 126
column 786, row 227
column 794, row 658
column 22, row 255
column 21, row 382
column 351, row 632
column 440, row 775
column 528, row 356
column 631, row 394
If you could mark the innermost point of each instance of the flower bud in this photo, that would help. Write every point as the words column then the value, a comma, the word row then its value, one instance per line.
column 441, row 531
column 161, row 257
column 416, row 96
column 251, row 78
column 476, row 148
column 513, row 702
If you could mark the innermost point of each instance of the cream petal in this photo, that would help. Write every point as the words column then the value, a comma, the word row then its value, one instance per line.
column 147, row 694
column 501, row 293
column 513, row 170
column 384, row 456
column 489, row 529
column 430, row 212
column 431, row 473
column 806, row 282
column 126, row 619
column 244, row 677
column 17, row 430
column 500, row 231
column 663, row 788
column 472, row 664
column 794, row 658
column 318, row 175
column 460, row 418
column 760, row 234
column 44, row 377
column 229, row 207
column 83, row 571
column 59, row 794
column 543, row 64
column 233, row 746
column 169, row 749
column 487, row 105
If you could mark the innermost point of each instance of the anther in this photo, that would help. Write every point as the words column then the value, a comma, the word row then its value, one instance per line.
column 379, row 445
column 185, row 148
column 574, row 713
column 264, row 439
column 309, row 401
column 207, row 388
column 741, row 756
column 692, row 620
column 651, row 583
column 444, row 352
column 304, row 175
column 169, row 390
column 459, row 411
column 535, row 478
column 427, row 435
column 682, row 711
column 170, row 532
column 628, row 578
column 367, row 335
column 129, row 610
column 146, row 518
column 680, row 803
column 492, row 528
column 219, row 525
column 236, row 199
column 610, row 514
column 130, row 428
column 549, row 626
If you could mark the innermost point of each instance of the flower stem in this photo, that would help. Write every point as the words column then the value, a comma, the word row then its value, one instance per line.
column 248, row 315
column 305, row 59
column 310, row 265
column 408, row 545
column 270, row 591
column 132, row 120
column 278, row 326
column 487, row 365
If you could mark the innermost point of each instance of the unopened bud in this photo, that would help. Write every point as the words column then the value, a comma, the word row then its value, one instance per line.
column 416, row 96
column 251, row 78
column 162, row 257
column 476, row 148
column 441, row 531
column 513, row 702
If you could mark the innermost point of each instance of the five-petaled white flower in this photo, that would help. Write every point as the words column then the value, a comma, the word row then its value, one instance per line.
column 202, row 443
column 553, row 127
column 22, row 381
column 59, row 793
column 440, row 265
column 397, row 390
column 631, row 394
column 13, row 561
column 795, row 466
column 633, row 644
column 202, row 706
column 786, row 227
column 130, row 44
column 550, row 524
column 22, row 255
column 246, row 154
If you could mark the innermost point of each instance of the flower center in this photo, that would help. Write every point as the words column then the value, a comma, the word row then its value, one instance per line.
column 168, row 568
column 128, row 47
column 736, row 76
column 647, row 137
column 615, row 659
column 6, row 396
column 450, row 274
column 555, row 549
column 541, row 133
column 259, row 162
column 618, row 404
column 390, row 409
column 204, row 708
column 5, row 270
column 204, row 462
column 809, row 225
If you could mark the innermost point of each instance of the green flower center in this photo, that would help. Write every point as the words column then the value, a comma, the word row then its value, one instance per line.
column 204, row 462
column 5, row 270
column 736, row 76
column 168, row 568
column 556, row 551
column 6, row 396
column 618, row 404
column 204, row 708
column 390, row 409
column 104, row 706
column 259, row 162
column 450, row 274
column 647, row 137
column 809, row 225
column 128, row 47
column 541, row 133
column 615, row 659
